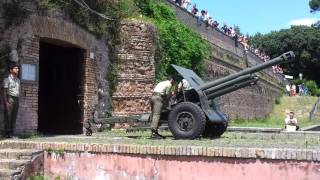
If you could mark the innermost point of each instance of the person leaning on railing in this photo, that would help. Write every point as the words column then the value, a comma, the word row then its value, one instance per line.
column 291, row 123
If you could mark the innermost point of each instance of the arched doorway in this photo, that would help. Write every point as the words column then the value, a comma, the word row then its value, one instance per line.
column 60, row 79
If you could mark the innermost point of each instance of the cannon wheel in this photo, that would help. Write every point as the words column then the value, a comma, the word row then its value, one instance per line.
column 215, row 130
column 187, row 121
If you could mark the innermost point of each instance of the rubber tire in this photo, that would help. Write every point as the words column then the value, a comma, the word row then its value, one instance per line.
column 198, row 125
column 215, row 130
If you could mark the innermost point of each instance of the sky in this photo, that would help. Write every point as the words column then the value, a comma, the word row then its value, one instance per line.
column 262, row 16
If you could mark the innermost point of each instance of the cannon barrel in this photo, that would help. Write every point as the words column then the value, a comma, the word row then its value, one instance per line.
column 232, row 88
column 229, row 83
column 284, row 58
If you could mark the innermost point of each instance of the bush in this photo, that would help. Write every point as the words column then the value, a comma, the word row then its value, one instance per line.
column 278, row 99
column 179, row 44
column 313, row 88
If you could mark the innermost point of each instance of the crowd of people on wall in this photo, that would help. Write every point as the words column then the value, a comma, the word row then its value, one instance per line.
column 203, row 17
column 293, row 90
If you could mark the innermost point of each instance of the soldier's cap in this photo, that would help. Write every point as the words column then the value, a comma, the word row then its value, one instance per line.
column 172, row 77
column 13, row 65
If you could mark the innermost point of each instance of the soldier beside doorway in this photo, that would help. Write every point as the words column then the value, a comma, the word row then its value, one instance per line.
column 10, row 96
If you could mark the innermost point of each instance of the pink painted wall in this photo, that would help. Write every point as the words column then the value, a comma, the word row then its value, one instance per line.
column 119, row 166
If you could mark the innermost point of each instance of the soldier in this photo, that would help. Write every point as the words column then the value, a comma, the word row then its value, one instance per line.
column 160, row 95
column 11, row 93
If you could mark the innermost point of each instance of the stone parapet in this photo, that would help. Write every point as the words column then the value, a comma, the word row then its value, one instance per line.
column 229, row 152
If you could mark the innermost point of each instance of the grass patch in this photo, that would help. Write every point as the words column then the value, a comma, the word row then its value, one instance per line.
column 301, row 106
column 228, row 139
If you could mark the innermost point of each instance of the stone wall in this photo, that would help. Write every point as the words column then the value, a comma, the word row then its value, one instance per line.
column 136, row 72
column 246, row 103
column 227, row 58
column 127, row 161
column 120, row 166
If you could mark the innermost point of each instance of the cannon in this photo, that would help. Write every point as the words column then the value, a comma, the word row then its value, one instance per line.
column 194, row 112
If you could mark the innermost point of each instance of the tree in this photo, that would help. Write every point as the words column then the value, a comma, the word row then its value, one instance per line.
column 316, row 25
column 302, row 40
column 314, row 5
column 237, row 29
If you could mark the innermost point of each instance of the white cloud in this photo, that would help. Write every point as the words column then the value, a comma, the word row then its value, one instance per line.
column 304, row 21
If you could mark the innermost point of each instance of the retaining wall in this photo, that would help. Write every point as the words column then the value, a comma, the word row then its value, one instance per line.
column 108, row 161
column 227, row 58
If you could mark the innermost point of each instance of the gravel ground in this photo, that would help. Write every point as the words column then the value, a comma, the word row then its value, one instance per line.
column 228, row 139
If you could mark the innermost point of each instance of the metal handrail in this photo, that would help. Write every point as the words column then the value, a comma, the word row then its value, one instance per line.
column 314, row 109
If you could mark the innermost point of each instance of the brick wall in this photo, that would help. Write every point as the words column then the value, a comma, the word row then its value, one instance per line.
column 58, row 28
column 28, row 106
column 136, row 72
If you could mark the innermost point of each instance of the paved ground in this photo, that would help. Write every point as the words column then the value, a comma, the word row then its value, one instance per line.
column 299, row 140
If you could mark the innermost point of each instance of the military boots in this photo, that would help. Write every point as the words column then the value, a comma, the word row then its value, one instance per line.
column 156, row 135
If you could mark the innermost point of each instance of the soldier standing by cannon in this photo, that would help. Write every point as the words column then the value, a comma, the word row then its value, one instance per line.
column 160, row 96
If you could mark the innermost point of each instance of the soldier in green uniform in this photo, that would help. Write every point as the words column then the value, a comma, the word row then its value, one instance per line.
column 11, row 93
column 160, row 95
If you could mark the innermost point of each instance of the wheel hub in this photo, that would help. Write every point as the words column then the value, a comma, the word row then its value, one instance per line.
column 185, row 121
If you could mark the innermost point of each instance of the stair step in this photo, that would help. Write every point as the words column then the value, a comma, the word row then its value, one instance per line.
column 8, row 173
column 17, row 153
column 12, row 163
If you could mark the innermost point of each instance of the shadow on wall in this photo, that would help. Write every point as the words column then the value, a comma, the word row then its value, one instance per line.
column 1, row 118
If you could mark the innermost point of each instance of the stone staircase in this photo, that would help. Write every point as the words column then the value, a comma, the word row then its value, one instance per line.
column 18, row 163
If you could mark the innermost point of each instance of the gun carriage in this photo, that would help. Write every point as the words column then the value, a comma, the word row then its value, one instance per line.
column 194, row 113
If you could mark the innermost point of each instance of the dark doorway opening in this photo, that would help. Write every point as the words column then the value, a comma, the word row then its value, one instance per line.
column 60, row 77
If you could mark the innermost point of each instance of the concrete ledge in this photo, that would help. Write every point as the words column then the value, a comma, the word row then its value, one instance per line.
column 230, row 152
column 254, row 129
column 301, row 132
column 312, row 128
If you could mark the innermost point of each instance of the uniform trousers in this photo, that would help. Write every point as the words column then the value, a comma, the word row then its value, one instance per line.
column 10, row 115
column 156, row 106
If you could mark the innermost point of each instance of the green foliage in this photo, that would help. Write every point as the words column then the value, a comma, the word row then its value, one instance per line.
column 298, row 81
column 302, row 40
column 313, row 88
column 301, row 105
column 237, row 29
column 13, row 13
column 36, row 177
column 278, row 99
column 178, row 43
column 59, row 152
column 87, row 19
column 30, row 135
column 314, row 5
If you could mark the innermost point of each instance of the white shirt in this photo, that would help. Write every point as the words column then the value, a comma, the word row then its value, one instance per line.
column 185, row 84
column 13, row 85
column 291, row 121
column 288, row 87
column 163, row 87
